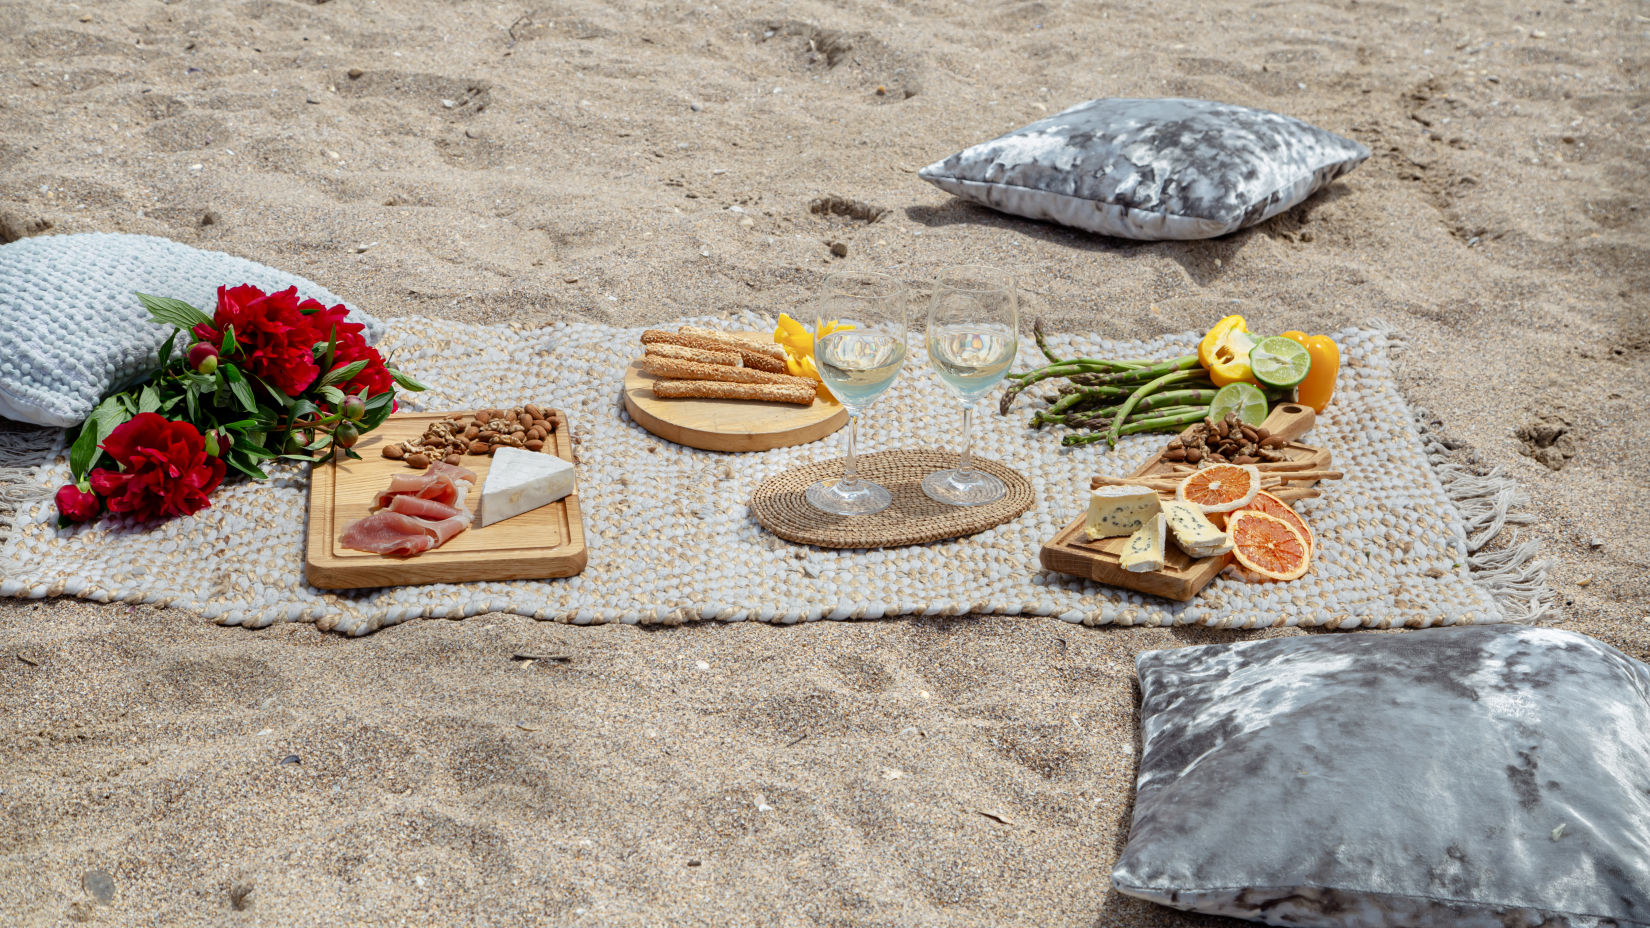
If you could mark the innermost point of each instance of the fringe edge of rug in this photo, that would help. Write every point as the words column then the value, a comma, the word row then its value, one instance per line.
column 1513, row 574
column 21, row 453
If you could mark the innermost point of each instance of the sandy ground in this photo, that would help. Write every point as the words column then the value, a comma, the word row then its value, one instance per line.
column 636, row 162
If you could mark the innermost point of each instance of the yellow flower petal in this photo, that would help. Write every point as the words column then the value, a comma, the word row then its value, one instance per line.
column 793, row 336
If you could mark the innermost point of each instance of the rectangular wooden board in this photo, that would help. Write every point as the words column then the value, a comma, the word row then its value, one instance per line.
column 544, row 543
column 1182, row 577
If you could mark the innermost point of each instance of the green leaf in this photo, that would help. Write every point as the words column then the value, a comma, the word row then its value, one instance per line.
column 128, row 403
column 166, row 348
column 320, row 442
column 331, row 349
column 253, row 452
column 332, row 395
column 149, row 399
column 342, row 374
column 229, row 345
column 107, row 417
column 167, row 311
column 373, row 419
column 405, row 382
column 247, row 468
column 238, row 386
column 191, row 397
column 303, row 408
column 381, row 401
column 279, row 397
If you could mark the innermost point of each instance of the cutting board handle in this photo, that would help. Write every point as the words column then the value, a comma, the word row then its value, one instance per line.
column 1291, row 420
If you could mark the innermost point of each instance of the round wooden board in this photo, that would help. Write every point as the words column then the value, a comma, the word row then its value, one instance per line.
column 727, row 425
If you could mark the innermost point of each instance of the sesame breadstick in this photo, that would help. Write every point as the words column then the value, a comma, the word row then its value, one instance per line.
column 758, row 359
column 800, row 393
column 681, row 353
column 675, row 369
column 749, row 340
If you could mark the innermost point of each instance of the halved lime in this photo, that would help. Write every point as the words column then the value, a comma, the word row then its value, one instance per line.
column 1279, row 361
column 1245, row 399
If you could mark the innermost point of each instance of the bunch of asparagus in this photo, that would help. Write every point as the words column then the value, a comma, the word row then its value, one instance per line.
column 1104, row 400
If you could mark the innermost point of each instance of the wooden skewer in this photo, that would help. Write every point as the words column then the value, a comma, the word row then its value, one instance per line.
column 1097, row 482
column 1285, row 465
column 1311, row 475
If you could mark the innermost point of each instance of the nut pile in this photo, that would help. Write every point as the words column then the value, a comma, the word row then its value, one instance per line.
column 486, row 431
column 1225, row 441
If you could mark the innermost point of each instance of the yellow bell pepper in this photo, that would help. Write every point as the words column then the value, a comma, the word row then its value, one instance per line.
column 1319, row 384
column 798, row 343
column 1224, row 351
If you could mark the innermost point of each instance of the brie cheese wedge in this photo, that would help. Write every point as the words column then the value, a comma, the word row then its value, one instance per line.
column 520, row 481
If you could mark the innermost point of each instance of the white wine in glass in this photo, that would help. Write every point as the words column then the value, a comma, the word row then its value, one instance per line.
column 973, row 335
column 858, row 365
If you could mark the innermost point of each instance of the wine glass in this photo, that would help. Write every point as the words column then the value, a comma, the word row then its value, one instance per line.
column 857, row 365
column 973, row 334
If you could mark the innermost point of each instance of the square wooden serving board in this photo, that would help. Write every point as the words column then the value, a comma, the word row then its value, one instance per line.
column 1182, row 576
column 544, row 543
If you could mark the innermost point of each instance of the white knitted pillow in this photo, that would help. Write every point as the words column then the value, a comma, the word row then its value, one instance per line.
column 71, row 329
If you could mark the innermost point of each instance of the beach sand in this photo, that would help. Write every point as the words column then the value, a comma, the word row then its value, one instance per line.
column 634, row 163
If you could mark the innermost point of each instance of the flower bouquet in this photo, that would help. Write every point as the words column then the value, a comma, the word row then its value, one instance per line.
column 267, row 376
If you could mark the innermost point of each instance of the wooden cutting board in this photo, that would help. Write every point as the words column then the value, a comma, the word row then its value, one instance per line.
column 547, row 542
column 1182, row 577
column 727, row 425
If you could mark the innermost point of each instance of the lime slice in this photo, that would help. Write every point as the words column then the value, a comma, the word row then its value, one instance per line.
column 1245, row 399
column 1279, row 361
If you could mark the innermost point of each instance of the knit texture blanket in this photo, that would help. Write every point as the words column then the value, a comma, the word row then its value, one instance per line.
column 72, row 330
column 1403, row 540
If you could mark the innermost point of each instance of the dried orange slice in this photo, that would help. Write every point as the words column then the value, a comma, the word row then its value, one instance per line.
column 1272, row 506
column 1267, row 545
column 1220, row 487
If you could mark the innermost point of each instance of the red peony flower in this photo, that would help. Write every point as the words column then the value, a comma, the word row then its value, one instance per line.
column 76, row 504
column 165, row 470
column 352, row 347
column 275, row 338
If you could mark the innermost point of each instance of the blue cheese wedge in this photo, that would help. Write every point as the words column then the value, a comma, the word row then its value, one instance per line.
column 520, row 481
column 1118, row 511
column 1144, row 550
column 1193, row 532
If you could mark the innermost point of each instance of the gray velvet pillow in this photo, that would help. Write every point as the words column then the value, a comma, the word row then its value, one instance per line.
column 1150, row 169
column 71, row 328
column 1481, row 775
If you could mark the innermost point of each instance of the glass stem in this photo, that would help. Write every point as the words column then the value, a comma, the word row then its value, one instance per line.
column 968, row 442
column 850, row 472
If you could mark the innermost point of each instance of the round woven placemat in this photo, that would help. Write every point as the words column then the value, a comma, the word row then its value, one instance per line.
column 912, row 519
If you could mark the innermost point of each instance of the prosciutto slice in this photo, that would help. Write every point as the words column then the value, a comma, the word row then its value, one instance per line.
column 391, row 532
column 388, row 532
column 407, row 504
column 452, row 470
column 416, row 513
column 439, row 487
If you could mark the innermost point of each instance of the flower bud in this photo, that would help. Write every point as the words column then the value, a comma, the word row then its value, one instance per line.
column 213, row 446
column 346, row 436
column 203, row 357
column 77, row 505
column 354, row 408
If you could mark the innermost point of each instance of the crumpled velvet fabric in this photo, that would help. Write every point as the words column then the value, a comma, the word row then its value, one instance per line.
column 1150, row 169
column 1488, row 776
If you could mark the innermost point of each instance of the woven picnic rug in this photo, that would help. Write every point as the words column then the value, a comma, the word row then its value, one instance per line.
column 1403, row 540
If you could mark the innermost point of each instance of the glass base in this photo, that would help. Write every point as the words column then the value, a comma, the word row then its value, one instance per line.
column 963, row 488
column 861, row 498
